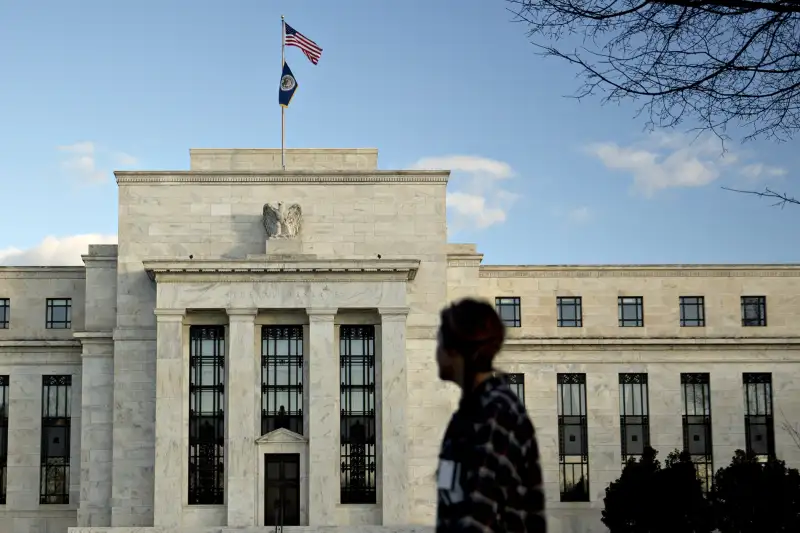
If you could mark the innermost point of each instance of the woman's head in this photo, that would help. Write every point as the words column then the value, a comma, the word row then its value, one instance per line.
column 470, row 335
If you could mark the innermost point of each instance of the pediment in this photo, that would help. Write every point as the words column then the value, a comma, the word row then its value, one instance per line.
column 281, row 435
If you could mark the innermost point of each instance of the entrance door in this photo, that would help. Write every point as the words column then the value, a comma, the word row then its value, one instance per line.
column 282, row 489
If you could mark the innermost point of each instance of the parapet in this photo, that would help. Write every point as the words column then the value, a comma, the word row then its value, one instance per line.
column 269, row 159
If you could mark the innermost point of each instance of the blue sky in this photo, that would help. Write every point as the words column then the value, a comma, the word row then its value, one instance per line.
column 91, row 86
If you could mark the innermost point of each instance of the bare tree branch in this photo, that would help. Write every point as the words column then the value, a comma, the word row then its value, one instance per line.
column 782, row 198
column 720, row 63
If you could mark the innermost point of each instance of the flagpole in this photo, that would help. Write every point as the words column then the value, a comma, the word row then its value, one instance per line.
column 283, row 109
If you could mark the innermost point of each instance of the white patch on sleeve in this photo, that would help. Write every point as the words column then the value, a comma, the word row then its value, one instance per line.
column 448, row 481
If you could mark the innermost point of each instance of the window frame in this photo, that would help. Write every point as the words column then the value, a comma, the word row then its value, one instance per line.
column 699, row 304
column 56, row 413
column 516, row 381
column 761, row 303
column 758, row 386
column 568, row 462
column 5, row 313
column 631, row 383
column 358, row 451
column 704, row 463
column 513, row 302
column 277, row 364
column 4, row 386
column 576, row 304
column 51, row 306
column 622, row 305
column 206, row 446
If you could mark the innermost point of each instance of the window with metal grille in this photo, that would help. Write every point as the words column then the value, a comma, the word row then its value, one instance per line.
column 754, row 310
column 59, row 313
column 282, row 378
column 631, row 311
column 3, row 438
column 693, row 311
column 517, row 384
column 510, row 311
column 56, row 429
column 573, row 439
column 206, row 415
column 634, row 417
column 358, row 454
column 570, row 314
column 5, row 312
column 759, row 424
column 696, row 396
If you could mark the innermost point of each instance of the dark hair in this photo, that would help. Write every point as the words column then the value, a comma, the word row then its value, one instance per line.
column 472, row 329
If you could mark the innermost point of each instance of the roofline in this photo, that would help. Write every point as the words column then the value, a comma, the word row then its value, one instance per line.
column 649, row 267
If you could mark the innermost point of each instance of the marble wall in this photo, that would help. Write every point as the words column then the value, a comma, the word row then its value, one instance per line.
column 350, row 210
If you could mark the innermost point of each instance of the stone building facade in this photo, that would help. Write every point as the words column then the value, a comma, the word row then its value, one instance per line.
column 198, row 373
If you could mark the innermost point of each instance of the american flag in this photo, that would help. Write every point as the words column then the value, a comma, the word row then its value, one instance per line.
column 294, row 38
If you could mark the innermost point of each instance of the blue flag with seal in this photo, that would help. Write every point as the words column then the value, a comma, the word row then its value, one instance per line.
column 287, row 87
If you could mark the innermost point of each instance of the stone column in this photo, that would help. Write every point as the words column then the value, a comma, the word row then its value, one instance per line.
column 24, row 443
column 394, row 433
column 97, row 400
column 241, row 468
column 323, row 418
column 170, row 371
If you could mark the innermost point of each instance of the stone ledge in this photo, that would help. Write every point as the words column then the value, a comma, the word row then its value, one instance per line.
column 35, row 344
column 261, row 529
column 42, row 272
column 399, row 269
column 327, row 177
column 660, row 343
column 640, row 271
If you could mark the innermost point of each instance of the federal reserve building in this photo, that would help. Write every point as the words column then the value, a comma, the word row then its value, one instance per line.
column 258, row 353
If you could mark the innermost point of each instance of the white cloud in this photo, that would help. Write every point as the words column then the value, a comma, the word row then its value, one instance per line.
column 664, row 161
column 578, row 215
column 757, row 171
column 55, row 251
column 81, row 160
column 575, row 215
column 476, row 198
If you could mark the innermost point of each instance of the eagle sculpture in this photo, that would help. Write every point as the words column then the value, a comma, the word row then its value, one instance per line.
column 282, row 221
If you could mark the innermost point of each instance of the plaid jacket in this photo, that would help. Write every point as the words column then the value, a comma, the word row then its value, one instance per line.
column 489, row 479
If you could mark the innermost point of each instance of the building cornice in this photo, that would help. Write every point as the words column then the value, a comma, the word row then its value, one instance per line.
column 643, row 271
column 328, row 177
column 39, row 344
column 42, row 272
column 653, row 343
column 199, row 271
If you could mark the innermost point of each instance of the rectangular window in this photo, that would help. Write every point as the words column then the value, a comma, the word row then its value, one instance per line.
column 754, row 310
column 573, row 442
column 358, row 459
column 759, row 424
column 56, row 422
column 517, row 384
column 634, row 408
column 509, row 309
column 570, row 314
column 631, row 311
column 693, row 311
column 206, row 415
column 5, row 312
column 59, row 313
column 696, row 396
column 282, row 378
column 3, row 438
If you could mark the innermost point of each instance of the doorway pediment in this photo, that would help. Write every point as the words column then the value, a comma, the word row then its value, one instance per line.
column 281, row 436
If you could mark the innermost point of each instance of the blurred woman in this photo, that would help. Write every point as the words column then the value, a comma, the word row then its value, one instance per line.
column 489, row 479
